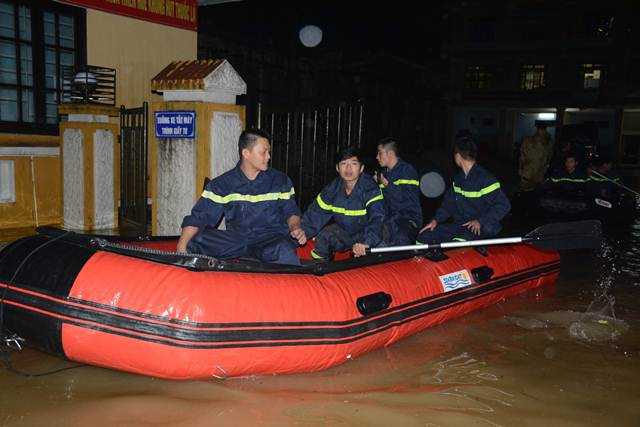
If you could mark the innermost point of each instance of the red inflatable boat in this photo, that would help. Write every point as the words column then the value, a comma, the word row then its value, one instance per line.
column 140, row 308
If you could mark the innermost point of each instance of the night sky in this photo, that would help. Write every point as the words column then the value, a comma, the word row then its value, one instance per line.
column 398, row 27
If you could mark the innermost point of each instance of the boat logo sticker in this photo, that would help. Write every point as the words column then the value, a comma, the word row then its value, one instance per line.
column 455, row 280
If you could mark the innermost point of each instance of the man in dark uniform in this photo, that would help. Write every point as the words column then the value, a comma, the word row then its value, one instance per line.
column 258, row 205
column 401, row 190
column 603, row 181
column 475, row 201
column 570, row 179
column 355, row 203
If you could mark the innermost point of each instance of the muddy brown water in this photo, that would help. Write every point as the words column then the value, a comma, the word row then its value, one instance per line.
column 564, row 355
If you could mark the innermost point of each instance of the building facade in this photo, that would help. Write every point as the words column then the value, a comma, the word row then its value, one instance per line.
column 38, row 39
column 517, row 63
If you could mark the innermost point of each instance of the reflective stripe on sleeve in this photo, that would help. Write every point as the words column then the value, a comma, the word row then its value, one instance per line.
column 378, row 197
column 555, row 180
column 343, row 211
column 476, row 194
column 595, row 178
column 252, row 198
column 406, row 182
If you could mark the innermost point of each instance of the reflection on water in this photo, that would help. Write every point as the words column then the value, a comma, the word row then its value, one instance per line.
column 562, row 356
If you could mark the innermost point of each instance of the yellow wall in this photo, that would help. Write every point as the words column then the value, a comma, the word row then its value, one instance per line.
column 138, row 50
column 22, row 213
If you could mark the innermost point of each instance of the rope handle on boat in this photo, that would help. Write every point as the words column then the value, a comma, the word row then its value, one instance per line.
column 107, row 245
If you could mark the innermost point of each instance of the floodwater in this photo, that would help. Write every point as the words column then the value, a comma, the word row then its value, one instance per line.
column 565, row 355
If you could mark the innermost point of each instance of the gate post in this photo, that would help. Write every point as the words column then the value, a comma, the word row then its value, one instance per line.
column 179, row 161
column 90, row 181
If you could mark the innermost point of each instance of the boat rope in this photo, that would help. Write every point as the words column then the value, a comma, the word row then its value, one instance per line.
column 12, row 340
column 105, row 244
column 4, row 333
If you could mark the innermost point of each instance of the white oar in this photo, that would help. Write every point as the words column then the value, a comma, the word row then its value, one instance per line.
column 558, row 236
column 614, row 182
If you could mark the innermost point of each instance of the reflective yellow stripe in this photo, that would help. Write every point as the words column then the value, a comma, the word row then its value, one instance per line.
column 568, row 180
column 382, row 186
column 406, row 182
column 458, row 239
column 476, row 194
column 314, row 255
column 336, row 209
column 378, row 197
column 594, row 178
column 252, row 198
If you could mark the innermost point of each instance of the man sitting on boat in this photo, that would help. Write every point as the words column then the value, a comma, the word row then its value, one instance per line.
column 354, row 202
column 258, row 205
column 603, row 182
column 475, row 201
column 570, row 179
column 401, row 190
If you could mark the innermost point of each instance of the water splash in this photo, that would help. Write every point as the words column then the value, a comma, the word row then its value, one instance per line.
column 599, row 323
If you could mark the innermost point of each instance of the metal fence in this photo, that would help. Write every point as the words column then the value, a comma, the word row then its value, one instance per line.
column 304, row 143
column 133, row 218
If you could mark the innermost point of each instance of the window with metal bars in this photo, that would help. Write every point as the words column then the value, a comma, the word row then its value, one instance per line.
column 477, row 77
column 532, row 77
column 37, row 38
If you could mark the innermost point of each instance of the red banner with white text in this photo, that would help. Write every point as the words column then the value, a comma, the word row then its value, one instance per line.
column 176, row 13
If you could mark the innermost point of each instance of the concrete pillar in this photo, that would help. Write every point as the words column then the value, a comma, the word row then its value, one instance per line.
column 90, row 167
column 179, row 166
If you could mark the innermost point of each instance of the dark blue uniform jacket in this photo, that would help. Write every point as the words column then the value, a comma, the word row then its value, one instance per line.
column 261, row 205
column 363, row 211
column 476, row 196
column 564, row 181
column 402, row 195
column 603, row 187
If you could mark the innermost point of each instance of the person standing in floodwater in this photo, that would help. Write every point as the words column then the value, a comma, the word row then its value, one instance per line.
column 535, row 155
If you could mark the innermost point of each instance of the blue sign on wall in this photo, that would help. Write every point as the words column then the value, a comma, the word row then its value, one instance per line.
column 175, row 124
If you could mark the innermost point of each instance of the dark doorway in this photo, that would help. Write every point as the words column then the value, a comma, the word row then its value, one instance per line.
column 133, row 213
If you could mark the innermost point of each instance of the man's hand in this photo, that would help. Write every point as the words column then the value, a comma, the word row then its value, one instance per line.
column 431, row 226
column 383, row 179
column 359, row 249
column 185, row 237
column 295, row 229
column 299, row 234
column 474, row 226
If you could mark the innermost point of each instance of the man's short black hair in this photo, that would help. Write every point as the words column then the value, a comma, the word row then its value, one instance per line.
column 347, row 153
column 466, row 147
column 463, row 133
column 389, row 144
column 249, row 137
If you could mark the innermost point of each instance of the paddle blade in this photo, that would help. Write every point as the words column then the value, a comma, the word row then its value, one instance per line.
column 566, row 235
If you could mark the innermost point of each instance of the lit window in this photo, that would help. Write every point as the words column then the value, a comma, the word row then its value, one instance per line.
column 477, row 77
column 591, row 75
column 532, row 77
